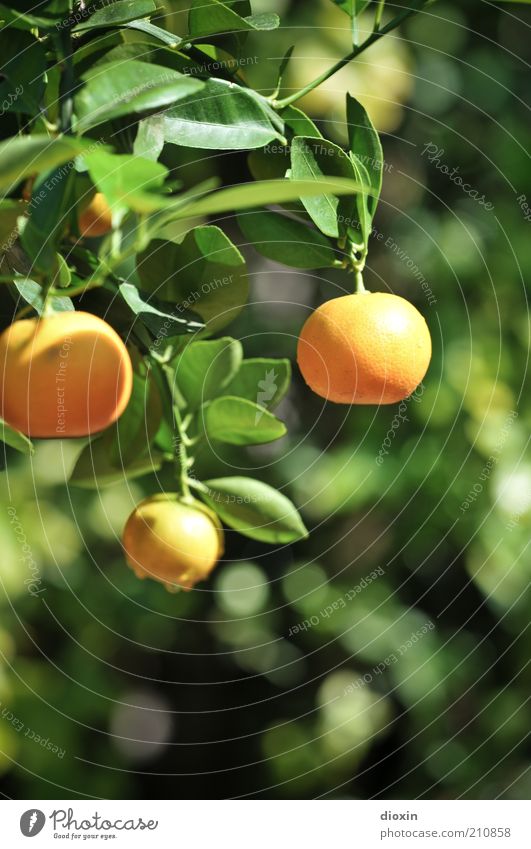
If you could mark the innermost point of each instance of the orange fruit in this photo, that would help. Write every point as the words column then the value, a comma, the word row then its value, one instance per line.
column 173, row 540
column 96, row 218
column 368, row 348
column 68, row 374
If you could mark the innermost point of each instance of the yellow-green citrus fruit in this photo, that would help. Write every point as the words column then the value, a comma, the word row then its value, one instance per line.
column 369, row 348
column 173, row 540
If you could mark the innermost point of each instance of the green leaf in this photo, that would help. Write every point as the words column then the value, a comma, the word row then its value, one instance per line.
column 117, row 13
column 223, row 116
column 122, row 88
column 353, row 8
column 366, row 148
column 272, row 161
column 149, row 139
column 262, row 380
column 254, row 509
column 240, row 422
column 299, row 124
column 95, row 468
column 15, row 438
column 314, row 159
column 48, row 218
column 362, row 220
column 23, row 20
column 160, row 317
column 248, row 195
column 160, row 34
column 286, row 240
column 23, row 156
column 206, row 273
column 205, row 368
column 33, row 294
column 210, row 17
column 127, row 181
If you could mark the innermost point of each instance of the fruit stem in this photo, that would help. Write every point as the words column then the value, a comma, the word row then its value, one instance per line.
column 360, row 288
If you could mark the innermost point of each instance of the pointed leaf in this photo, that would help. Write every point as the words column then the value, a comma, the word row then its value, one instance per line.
column 366, row 147
column 240, row 422
column 223, row 116
column 205, row 368
column 122, row 88
column 262, row 380
column 117, row 13
column 17, row 440
column 314, row 159
column 160, row 317
column 254, row 509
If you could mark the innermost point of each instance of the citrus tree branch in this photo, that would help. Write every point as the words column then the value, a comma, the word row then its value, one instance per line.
column 375, row 35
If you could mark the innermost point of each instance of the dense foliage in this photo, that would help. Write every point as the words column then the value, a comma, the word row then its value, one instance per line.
column 386, row 651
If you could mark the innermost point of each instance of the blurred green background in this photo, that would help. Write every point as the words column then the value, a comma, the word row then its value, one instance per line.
column 222, row 692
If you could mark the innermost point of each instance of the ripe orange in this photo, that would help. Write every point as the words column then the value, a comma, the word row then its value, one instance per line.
column 174, row 541
column 68, row 374
column 369, row 348
column 96, row 218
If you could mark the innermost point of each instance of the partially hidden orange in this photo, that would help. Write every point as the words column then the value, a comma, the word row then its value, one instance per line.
column 95, row 219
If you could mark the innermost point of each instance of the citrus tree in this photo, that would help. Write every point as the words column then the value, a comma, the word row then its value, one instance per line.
column 123, row 278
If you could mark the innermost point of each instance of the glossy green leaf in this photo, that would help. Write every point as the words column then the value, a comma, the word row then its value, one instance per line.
column 299, row 124
column 160, row 317
column 23, row 156
column 262, row 380
column 314, row 159
column 366, row 148
column 286, row 240
column 254, row 509
column 205, row 367
column 168, row 38
column 222, row 116
column 209, row 17
column 117, row 13
column 205, row 273
column 122, row 88
column 238, row 421
column 52, row 202
column 15, row 438
column 248, row 195
column 127, row 181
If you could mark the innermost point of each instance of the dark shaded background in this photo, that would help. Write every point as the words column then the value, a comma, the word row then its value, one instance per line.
column 208, row 693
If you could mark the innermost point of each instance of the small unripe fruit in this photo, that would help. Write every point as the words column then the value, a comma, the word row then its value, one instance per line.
column 175, row 541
